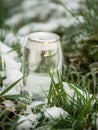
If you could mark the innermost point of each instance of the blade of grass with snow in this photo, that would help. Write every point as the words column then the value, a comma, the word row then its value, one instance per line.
column 10, row 87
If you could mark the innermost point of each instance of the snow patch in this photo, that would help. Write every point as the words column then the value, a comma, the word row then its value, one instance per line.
column 55, row 112
column 6, row 50
column 9, row 104
column 28, row 120
column 10, row 39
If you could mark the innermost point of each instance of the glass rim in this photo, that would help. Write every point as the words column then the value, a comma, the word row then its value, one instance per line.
column 38, row 37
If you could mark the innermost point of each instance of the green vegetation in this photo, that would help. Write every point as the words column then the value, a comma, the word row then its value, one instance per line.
column 81, row 49
column 80, row 69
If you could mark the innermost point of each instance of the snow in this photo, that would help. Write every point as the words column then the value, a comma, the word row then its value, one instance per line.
column 51, row 25
column 6, row 50
column 33, row 105
column 71, row 92
column 14, row 20
column 13, row 75
column 10, row 62
column 45, row 26
column 28, row 5
column 11, row 39
column 12, row 69
column 9, row 104
column 55, row 112
column 28, row 120
column 72, row 4
column 33, row 10
column 31, row 120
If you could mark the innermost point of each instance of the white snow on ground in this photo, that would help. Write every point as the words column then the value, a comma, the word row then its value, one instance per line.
column 33, row 105
column 9, row 56
column 47, row 26
column 12, row 68
column 6, row 50
column 11, row 39
column 14, row 20
column 10, row 62
column 55, row 112
column 13, row 75
column 9, row 104
column 28, row 120
column 28, row 5
column 71, row 89
column 72, row 4
column 50, row 113
column 31, row 10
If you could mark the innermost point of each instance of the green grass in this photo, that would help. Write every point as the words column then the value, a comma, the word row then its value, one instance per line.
column 80, row 109
column 9, row 118
column 80, row 70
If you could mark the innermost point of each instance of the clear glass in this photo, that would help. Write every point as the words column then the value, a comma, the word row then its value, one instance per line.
column 42, row 54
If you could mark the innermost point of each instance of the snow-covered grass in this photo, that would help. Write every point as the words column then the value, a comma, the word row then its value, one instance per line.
column 74, row 108
column 67, row 106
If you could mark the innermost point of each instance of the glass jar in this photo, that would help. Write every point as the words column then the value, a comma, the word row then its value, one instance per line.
column 42, row 54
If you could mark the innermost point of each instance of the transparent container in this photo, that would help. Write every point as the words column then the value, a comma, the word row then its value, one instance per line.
column 42, row 54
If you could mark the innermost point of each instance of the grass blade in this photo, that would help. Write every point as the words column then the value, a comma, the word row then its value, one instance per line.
column 10, row 87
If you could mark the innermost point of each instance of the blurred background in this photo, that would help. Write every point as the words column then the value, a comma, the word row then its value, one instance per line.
column 25, row 16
